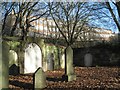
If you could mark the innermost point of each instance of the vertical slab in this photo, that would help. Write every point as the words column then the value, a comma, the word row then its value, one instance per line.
column 39, row 79
column 88, row 60
column 69, row 64
column 69, row 60
column 4, row 64
column 50, row 62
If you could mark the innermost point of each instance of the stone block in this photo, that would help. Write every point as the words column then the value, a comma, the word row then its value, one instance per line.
column 39, row 79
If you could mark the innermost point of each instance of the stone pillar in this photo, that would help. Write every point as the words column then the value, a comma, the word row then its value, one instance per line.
column 39, row 79
column 69, row 69
column 4, row 66
column 21, row 61
column 88, row 60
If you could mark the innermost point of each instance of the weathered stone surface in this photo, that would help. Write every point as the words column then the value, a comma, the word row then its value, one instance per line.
column 13, row 70
column 32, row 58
column 4, row 64
column 88, row 60
column 39, row 80
column 69, row 60
column 69, row 64
column 13, row 58
column 50, row 62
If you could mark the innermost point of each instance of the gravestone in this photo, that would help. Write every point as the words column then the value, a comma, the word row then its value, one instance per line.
column 50, row 62
column 4, row 65
column 88, row 59
column 14, row 70
column 39, row 79
column 69, row 65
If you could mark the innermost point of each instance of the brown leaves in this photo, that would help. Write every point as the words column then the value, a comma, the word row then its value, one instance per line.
column 91, row 77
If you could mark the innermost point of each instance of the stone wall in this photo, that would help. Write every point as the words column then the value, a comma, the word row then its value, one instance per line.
column 102, row 56
column 46, row 49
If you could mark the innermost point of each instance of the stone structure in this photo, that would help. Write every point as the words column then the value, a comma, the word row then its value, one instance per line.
column 13, row 58
column 88, row 59
column 33, row 58
column 70, row 74
column 101, row 56
column 39, row 79
column 35, row 54
column 4, row 64
column 50, row 62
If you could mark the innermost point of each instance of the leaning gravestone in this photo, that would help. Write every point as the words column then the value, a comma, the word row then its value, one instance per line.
column 69, row 65
column 88, row 60
column 39, row 79
column 4, row 64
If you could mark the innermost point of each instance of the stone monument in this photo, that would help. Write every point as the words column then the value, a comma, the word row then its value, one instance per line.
column 4, row 65
column 39, row 79
column 88, row 59
column 69, row 69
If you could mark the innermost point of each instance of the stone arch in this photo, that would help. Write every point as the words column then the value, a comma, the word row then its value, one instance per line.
column 33, row 58
column 13, row 57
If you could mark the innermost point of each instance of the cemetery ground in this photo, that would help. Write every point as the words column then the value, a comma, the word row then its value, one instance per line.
column 88, row 78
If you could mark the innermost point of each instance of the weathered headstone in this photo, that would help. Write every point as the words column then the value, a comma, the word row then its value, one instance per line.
column 69, row 65
column 88, row 60
column 39, row 79
column 50, row 62
column 13, row 70
column 4, row 64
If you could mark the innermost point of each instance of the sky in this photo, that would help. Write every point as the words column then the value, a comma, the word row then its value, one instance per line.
column 106, row 23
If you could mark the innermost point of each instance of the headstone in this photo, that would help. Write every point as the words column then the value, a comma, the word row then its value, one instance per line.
column 69, row 64
column 88, row 60
column 4, row 64
column 50, row 62
column 39, row 79
column 13, row 70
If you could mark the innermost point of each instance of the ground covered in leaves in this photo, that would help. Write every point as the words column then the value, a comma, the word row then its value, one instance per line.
column 92, row 78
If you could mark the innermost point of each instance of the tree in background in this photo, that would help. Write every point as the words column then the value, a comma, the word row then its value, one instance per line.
column 115, row 17
column 70, row 18
column 17, row 19
column 106, row 15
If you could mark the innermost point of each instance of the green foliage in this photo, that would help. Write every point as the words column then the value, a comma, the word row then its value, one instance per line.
column 13, row 44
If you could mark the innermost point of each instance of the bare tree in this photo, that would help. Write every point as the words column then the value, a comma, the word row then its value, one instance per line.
column 70, row 18
column 17, row 19
column 106, row 14
column 22, row 14
column 114, row 16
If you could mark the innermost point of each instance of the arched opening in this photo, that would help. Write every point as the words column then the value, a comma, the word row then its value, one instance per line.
column 13, row 58
column 13, row 63
column 33, row 58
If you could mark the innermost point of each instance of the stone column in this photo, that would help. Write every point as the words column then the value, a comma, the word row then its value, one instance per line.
column 69, row 69
column 4, row 65
column 21, row 61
